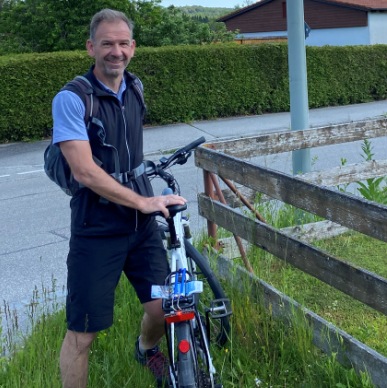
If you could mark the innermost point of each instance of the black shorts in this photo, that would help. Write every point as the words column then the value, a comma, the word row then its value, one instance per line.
column 95, row 265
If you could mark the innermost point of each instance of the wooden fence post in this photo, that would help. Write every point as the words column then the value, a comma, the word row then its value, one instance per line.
column 209, row 191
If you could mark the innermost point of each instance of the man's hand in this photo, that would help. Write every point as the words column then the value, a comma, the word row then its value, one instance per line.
column 79, row 157
column 160, row 203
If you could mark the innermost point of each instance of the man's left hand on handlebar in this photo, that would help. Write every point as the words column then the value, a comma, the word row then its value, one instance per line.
column 160, row 203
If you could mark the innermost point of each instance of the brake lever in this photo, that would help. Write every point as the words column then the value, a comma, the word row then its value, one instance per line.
column 183, row 159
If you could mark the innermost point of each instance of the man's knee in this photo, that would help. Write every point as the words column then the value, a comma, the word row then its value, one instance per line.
column 154, row 310
column 79, row 342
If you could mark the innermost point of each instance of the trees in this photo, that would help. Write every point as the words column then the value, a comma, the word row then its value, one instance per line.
column 52, row 25
column 56, row 25
column 174, row 27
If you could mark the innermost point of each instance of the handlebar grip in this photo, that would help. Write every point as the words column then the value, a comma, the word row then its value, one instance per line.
column 193, row 145
column 173, row 210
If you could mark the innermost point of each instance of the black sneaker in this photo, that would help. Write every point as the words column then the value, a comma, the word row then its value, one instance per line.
column 157, row 363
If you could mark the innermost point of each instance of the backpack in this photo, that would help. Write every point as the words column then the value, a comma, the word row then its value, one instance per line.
column 55, row 164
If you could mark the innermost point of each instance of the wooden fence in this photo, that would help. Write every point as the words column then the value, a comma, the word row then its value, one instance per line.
column 310, row 192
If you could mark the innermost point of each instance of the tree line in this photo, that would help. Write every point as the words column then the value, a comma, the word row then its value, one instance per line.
column 63, row 25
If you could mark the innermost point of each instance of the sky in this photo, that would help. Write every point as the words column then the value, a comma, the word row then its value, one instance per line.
column 204, row 3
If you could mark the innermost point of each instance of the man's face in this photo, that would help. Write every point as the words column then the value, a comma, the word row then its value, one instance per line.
column 112, row 49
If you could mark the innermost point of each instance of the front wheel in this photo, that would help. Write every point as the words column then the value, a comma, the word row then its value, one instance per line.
column 220, row 327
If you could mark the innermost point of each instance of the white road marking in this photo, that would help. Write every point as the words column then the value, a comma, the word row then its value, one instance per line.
column 29, row 172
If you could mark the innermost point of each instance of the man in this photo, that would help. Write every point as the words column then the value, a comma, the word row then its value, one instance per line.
column 111, row 230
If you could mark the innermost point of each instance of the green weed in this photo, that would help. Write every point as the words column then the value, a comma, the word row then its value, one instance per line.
column 373, row 189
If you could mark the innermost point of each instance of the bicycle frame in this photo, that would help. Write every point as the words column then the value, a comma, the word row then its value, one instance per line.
column 180, row 308
column 186, row 334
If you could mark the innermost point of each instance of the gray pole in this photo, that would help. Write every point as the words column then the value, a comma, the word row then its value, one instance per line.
column 299, row 108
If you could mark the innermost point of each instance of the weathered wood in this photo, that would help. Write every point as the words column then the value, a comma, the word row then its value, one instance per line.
column 359, row 283
column 347, row 174
column 326, row 336
column 331, row 178
column 233, row 200
column 315, row 231
column 286, row 141
column 353, row 212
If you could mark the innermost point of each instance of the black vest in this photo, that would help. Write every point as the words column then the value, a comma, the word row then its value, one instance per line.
column 121, row 133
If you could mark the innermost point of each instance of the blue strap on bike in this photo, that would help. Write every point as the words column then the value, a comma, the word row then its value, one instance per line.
column 175, row 290
column 182, row 284
column 179, row 291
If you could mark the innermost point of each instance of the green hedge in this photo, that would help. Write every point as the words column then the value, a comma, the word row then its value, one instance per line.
column 194, row 82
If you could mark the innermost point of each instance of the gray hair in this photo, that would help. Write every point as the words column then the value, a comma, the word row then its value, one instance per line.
column 108, row 15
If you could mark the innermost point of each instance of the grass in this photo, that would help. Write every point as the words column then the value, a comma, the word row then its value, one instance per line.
column 262, row 351
column 357, row 319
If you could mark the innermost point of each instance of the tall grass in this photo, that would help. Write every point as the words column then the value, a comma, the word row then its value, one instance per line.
column 262, row 352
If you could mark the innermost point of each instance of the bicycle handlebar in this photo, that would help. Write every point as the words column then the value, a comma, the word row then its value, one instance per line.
column 178, row 157
column 181, row 155
column 191, row 146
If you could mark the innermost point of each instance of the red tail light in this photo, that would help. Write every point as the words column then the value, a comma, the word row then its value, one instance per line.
column 184, row 346
column 179, row 316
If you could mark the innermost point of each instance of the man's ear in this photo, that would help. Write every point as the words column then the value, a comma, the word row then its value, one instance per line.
column 90, row 47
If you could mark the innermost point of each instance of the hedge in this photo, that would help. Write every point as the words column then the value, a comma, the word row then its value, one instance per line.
column 188, row 83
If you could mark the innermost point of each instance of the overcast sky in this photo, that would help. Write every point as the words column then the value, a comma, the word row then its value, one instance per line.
column 204, row 3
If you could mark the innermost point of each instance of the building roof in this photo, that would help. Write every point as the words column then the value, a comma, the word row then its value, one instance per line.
column 364, row 5
column 369, row 5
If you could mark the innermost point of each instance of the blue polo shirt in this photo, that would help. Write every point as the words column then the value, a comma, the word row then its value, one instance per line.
column 68, row 112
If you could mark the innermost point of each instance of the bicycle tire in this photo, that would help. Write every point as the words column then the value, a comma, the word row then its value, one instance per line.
column 187, row 364
column 224, row 323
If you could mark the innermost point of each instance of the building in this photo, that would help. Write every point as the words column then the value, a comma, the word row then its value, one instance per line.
column 331, row 22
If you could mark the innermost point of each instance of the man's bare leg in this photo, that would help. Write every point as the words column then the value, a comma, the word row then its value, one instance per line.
column 152, row 325
column 74, row 359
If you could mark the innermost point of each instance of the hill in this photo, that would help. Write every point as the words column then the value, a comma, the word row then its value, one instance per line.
column 200, row 12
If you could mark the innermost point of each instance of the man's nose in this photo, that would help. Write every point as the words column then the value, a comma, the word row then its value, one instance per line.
column 116, row 49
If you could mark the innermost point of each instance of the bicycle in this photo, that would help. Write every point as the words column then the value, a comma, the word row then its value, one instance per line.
column 189, row 324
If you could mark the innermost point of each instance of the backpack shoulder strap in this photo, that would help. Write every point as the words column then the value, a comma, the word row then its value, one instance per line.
column 138, row 88
column 82, row 84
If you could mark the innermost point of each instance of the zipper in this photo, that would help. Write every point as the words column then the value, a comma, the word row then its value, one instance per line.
column 126, row 133
column 128, row 150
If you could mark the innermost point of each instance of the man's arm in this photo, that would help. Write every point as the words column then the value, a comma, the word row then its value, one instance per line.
column 88, row 173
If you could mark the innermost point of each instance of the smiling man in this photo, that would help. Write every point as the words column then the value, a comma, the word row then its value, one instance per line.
column 111, row 229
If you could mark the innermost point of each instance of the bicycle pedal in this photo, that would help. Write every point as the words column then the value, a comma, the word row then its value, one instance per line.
column 219, row 308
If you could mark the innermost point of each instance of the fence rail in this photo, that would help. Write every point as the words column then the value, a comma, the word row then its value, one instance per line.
column 307, row 192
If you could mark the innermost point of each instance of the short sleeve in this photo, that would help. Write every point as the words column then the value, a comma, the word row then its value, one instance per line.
column 68, row 112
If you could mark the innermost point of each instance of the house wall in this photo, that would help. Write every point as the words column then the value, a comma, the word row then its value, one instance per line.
column 319, row 15
column 322, row 37
column 330, row 25
column 338, row 37
column 377, row 22
column 272, row 17
column 266, row 18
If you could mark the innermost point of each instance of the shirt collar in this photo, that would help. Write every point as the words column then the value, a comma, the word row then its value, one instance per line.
column 121, row 90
